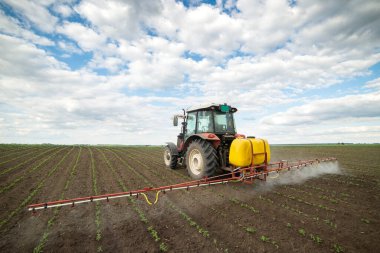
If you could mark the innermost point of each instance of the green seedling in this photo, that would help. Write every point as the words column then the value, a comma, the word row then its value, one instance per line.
column 302, row 232
column 338, row 248
column 250, row 230
column 365, row 221
column 264, row 238
column 163, row 247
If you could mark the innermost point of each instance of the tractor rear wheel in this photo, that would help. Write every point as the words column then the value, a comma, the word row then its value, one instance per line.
column 169, row 158
column 201, row 159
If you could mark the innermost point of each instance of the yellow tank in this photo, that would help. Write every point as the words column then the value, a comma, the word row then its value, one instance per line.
column 250, row 151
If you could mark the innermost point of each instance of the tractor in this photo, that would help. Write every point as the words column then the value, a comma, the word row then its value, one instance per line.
column 208, row 143
column 213, row 153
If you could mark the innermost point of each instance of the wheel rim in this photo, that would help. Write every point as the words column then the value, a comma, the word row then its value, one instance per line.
column 196, row 162
column 167, row 157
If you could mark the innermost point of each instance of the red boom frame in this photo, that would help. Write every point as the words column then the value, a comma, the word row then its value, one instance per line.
column 246, row 175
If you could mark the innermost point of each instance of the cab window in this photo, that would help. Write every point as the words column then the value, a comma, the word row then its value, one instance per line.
column 224, row 122
column 191, row 121
column 205, row 122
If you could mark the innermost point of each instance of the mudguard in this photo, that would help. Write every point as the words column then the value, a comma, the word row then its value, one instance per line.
column 205, row 136
column 172, row 147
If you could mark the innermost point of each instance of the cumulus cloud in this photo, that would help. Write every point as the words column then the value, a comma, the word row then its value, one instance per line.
column 85, row 37
column 352, row 118
column 115, row 71
column 12, row 26
column 63, row 9
column 119, row 19
column 322, row 110
column 375, row 84
column 35, row 12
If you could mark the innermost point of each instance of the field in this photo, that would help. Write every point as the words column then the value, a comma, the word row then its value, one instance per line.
column 329, row 213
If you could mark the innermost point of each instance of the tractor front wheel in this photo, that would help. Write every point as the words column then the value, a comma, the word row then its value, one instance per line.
column 201, row 159
column 169, row 158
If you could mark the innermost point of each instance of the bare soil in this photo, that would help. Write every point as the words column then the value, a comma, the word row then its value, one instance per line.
column 328, row 213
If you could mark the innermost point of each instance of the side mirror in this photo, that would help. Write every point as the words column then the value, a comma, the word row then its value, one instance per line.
column 175, row 120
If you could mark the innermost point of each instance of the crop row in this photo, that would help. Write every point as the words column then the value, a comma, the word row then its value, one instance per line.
column 36, row 189
column 27, row 173
column 149, row 227
column 300, row 200
column 97, row 204
column 5, row 150
column 187, row 218
column 300, row 212
column 327, row 222
column 346, row 182
column 323, row 197
column 332, row 193
column 248, row 229
column 301, row 231
column 289, row 196
column 44, row 238
column 5, row 171
column 16, row 152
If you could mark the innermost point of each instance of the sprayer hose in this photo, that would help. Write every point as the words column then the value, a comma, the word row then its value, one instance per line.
column 147, row 199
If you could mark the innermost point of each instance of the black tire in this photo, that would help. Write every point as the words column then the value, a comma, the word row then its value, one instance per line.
column 170, row 159
column 201, row 159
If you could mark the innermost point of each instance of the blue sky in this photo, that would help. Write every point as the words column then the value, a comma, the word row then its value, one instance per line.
column 116, row 71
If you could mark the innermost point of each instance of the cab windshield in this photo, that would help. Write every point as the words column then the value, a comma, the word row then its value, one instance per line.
column 210, row 122
column 224, row 122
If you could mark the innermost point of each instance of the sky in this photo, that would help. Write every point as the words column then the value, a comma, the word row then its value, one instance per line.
column 115, row 72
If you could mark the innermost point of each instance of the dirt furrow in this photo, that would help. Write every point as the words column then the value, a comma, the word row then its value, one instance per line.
column 74, row 226
column 31, row 226
column 166, row 215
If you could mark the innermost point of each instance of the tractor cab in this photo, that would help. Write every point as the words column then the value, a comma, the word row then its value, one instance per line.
column 212, row 119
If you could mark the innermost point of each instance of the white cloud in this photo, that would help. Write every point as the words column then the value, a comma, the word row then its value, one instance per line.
column 375, row 84
column 35, row 12
column 63, row 9
column 288, row 56
column 352, row 118
column 85, row 37
column 324, row 110
column 13, row 27
column 118, row 19
column 17, row 56
column 267, row 24
column 69, row 47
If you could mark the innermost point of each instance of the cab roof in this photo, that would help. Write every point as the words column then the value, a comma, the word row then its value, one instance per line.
column 205, row 107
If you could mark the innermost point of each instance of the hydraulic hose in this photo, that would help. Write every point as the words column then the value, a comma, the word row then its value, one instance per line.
column 147, row 199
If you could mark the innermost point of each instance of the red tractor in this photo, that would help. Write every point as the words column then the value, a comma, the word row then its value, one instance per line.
column 204, row 144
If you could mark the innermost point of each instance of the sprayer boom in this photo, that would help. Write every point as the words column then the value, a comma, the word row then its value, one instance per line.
column 245, row 175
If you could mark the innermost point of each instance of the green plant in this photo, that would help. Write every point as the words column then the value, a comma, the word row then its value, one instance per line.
column 163, row 247
column 98, row 235
column 51, row 221
column 153, row 233
column 250, row 230
column 338, row 248
column 264, row 238
column 365, row 220
column 97, row 206
column 37, row 187
column 29, row 171
column 315, row 238
column 302, row 232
